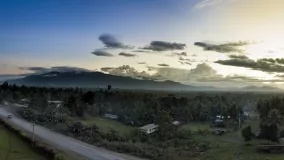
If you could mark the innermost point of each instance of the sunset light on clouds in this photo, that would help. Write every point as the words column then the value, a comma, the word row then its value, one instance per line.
column 99, row 34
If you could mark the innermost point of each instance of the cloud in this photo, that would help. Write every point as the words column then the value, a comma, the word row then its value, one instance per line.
column 101, row 53
column 207, row 3
column 271, row 60
column 163, row 65
column 187, row 63
column 125, row 70
column 41, row 70
column 202, row 73
column 140, row 51
column 142, row 63
column 111, row 41
column 180, row 54
column 165, row 46
column 260, row 64
column 222, row 48
column 238, row 56
column 181, row 62
column 127, row 54
column 107, row 69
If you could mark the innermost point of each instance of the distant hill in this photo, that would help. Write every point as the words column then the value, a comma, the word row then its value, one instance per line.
column 261, row 88
column 98, row 79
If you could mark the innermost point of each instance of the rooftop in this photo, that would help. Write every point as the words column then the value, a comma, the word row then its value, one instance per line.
column 149, row 126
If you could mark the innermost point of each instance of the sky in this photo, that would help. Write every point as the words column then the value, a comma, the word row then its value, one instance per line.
column 198, row 42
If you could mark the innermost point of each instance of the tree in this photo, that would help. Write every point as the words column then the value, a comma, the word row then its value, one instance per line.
column 109, row 87
column 73, row 103
column 247, row 133
column 38, row 103
column 166, row 130
column 89, row 98
column 4, row 86
column 274, row 118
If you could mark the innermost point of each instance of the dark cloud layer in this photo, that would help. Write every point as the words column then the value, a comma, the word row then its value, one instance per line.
column 260, row 64
column 140, row 51
column 238, row 56
column 271, row 60
column 41, row 70
column 222, row 48
column 101, row 53
column 127, row 54
column 163, row 65
column 110, row 41
column 165, row 46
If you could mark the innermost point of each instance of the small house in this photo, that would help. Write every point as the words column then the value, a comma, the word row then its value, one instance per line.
column 148, row 129
column 24, row 102
column 54, row 103
column 176, row 123
column 111, row 116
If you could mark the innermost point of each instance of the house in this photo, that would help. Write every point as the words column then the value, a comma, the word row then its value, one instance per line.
column 54, row 103
column 219, row 123
column 148, row 129
column 24, row 102
column 111, row 116
column 176, row 123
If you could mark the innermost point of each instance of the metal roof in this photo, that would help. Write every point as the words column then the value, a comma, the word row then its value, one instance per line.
column 149, row 126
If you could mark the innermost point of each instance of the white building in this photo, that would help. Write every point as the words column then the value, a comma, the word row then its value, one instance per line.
column 55, row 103
column 111, row 116
column 150, row 128
column 176, row 123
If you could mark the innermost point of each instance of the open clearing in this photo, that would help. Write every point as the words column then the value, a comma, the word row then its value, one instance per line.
column 228, row 146
column 12, row 147
column 105, row 125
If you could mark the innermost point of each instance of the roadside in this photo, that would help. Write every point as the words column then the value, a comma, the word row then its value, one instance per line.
column 65, row 143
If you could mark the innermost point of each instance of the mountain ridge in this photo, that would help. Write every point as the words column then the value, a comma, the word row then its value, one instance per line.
column 101, row 80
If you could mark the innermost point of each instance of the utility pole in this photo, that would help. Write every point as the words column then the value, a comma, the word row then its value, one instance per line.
column 240, row 137
column 33, row 132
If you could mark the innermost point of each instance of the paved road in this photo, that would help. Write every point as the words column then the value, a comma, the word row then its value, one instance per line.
column 66, row 143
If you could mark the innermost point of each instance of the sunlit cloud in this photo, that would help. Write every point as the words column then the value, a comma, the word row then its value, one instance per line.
column 207, row 3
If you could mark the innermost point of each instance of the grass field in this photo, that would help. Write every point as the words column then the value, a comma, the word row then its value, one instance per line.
column 194, row 126
column 227, row 146
column 12, row 147
column 105, row 125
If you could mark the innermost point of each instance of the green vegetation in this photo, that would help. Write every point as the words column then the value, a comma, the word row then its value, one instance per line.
column 195, row 126
column 12, row 147
column 80, row 116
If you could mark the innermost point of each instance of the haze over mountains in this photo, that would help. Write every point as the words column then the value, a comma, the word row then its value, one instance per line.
column 101, row 80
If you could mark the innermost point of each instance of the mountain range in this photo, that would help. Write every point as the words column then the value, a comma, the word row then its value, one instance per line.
column 102, row 80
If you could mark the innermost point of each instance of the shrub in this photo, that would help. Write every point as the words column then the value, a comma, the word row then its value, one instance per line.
column 281, row 134
column 247, row 133
column 184, row 134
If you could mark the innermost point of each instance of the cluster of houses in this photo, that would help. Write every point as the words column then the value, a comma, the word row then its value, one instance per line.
column 25, row 103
